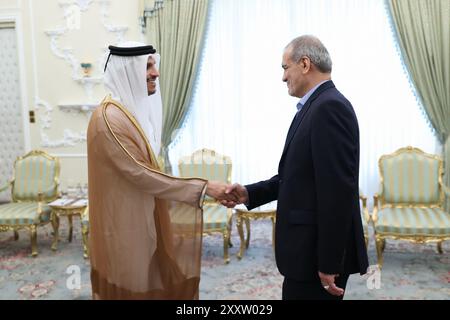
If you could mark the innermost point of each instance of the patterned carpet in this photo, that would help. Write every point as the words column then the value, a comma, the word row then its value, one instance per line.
column 409, row 272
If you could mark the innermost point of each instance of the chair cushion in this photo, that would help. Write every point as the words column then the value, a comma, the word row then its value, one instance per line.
column 413, row 221
column 215, row 217
column 23, row 213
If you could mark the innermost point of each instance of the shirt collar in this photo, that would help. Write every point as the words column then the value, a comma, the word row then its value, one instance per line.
column 305, row 98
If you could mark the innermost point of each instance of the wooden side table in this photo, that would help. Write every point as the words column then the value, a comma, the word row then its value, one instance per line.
column 243, row 215
column 70, row 208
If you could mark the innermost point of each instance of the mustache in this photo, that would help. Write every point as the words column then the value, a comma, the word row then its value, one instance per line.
column 151, row 79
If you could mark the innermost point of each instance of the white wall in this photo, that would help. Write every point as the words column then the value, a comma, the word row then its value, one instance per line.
column 51, row 69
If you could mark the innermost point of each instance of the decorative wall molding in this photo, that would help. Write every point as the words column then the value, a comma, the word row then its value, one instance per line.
column 45, row 114
column 86, row 108
column 82, row 4
column 118, row 30
column 67, row 54
column 88, row 83
column 69, row 139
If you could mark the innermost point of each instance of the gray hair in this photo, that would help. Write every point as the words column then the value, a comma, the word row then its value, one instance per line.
column 314, row 49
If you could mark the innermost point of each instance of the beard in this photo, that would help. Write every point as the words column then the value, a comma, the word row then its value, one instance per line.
column 151, row 88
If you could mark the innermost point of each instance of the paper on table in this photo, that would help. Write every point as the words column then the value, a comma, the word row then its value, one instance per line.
column 80, row 203
column 61, row 202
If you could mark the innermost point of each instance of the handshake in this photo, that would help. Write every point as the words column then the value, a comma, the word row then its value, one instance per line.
column 228, row 195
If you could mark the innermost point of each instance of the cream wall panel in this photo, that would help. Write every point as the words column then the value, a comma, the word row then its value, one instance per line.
column 9, row 4
column 74, row 172
column 51, row 81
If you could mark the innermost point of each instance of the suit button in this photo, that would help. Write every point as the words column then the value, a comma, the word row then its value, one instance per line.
column 281, row 181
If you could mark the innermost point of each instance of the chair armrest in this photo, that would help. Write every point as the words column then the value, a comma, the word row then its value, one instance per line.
column 446, row 190
column 41, row 199
column 6, row 186
column 375, row 207
column 363, row 199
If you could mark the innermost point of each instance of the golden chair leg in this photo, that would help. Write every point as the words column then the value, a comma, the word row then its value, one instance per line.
column 366, row 240
column 240, row 229
column 16, row 235
column 439, row 247
column 247, row 224
column 230, row 245
column 226, row 240
column 383, row 245
column 33, row 233
column 379, row 245
column 55, row 224
column 70, row 228
column 85, row 233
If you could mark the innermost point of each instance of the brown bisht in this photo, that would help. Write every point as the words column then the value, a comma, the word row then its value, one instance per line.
column 145, row 226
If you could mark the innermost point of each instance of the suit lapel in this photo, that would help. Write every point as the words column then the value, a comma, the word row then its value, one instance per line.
column 296, row 123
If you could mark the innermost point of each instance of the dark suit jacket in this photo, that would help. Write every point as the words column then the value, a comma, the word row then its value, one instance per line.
column 318, row 226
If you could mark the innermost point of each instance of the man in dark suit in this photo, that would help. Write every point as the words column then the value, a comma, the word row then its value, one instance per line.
column 319, row 237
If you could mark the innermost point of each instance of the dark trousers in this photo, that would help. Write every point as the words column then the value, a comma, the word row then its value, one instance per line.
column 310, row 290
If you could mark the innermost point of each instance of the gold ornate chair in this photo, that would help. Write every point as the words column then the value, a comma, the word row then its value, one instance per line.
column 208, row 164
column 35, row 183
column 244, row 216
column 161, row 163
column 74, row 207
column 365, row 217
column 85, row 233
column 410, row 204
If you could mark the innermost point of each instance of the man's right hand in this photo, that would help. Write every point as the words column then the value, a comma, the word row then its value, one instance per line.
column 328, row 283
column 217, row 190
column 238, row 192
